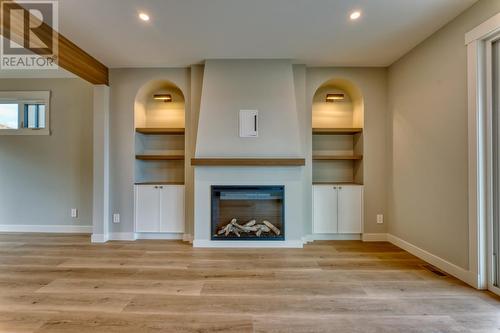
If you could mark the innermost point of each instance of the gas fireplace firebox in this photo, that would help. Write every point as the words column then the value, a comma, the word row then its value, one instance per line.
column 248, row 213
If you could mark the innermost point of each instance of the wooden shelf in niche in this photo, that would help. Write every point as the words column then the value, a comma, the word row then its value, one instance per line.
column 159, row 183
column 336, row 183
column 161, row 131
column 160, row 157
column 248, row 162
column 337, row 158
column 336, row 131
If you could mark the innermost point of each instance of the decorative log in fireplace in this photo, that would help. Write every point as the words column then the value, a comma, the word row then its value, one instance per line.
column 249, row 228
column 248, row 213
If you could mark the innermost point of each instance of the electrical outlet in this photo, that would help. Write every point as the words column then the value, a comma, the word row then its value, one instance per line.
column 380, row 219
column 74, row 213
column 116, row 218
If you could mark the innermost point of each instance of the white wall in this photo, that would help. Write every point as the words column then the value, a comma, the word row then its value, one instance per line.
column 427, row 164
column 43, row 177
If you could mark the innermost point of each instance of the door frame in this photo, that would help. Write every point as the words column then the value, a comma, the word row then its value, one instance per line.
column 480, row 147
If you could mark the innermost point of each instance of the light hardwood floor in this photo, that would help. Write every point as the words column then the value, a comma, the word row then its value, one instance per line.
column 62, row 283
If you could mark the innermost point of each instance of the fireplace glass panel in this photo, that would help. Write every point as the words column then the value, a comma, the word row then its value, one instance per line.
column 248, row 213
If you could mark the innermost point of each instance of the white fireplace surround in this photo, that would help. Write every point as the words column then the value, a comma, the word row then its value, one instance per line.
column 290, row 177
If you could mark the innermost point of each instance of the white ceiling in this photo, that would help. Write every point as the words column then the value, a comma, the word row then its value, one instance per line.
column 313, row 32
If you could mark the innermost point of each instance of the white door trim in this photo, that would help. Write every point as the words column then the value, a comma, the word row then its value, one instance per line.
column 479, row 81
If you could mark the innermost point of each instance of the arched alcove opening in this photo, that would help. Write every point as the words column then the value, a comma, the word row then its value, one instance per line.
column 159, row 117
column 338, row 120
column 151, row 112
column 340, row 113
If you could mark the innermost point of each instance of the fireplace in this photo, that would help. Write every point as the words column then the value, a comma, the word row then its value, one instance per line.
column 248, row 213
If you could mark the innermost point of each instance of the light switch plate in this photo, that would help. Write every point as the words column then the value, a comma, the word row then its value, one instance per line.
column 249, row 123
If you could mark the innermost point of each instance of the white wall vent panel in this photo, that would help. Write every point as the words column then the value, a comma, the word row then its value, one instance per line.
column 249, row 123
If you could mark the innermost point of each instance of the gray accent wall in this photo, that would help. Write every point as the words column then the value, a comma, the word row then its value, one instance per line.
column 372, row 83
column 43, row 177
column 427, row 147
column 233, row 85
column 125, row 85
column 194, row 83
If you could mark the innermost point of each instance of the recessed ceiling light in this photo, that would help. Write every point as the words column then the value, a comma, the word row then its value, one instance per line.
column 143, row 16
column 355, row 15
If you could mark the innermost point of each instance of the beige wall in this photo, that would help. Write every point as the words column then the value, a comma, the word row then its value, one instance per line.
column 427, row 169
column 43, row 177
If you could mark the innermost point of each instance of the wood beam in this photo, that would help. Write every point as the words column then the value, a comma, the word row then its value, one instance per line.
column 70, row 57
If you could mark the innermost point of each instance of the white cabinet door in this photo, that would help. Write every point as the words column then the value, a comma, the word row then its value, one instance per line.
column 172, row 208
column 147, row 208
column 350, row 209
column 325, row 217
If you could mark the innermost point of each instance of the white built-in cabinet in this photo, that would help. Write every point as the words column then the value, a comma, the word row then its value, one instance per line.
column 337, row 209
column 159, row 208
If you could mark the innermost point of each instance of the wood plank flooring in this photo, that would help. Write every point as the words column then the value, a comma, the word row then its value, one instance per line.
column 62, row 283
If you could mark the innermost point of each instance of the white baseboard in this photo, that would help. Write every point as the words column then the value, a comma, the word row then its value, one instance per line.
column 432, row 259
column 99, row 238
column 58, row 229
column 248, row 244
column 154, row 235
column 317, row 237
column 121, row 236
column 132, row 236
column 374, row 238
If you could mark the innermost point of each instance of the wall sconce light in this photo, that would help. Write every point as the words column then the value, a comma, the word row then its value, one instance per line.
column 330, row 98
column 163, row 97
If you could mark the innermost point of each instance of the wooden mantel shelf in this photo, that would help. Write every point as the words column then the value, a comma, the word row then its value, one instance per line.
column 272, row 162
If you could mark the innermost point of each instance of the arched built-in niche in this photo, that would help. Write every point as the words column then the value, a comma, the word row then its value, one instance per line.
column 159, row 138
column 337, row 133
column 348, row 113
column 152, row 113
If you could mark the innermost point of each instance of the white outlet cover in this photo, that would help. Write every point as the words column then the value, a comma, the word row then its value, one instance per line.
column 116, row 218
column 74, row 212
column 380, row 219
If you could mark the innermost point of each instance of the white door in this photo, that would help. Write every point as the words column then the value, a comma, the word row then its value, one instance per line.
column 325, row 217
column 350, row 209
column 172, row 208
column 147, row 210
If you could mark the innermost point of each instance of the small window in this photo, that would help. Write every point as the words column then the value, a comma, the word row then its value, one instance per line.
column 9, row 116
column 34, row 116
column 24, row 113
